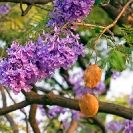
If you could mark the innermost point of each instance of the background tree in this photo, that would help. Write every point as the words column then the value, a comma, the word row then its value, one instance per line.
column 105, row 37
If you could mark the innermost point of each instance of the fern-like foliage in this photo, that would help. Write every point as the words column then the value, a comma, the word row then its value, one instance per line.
column 15, row 27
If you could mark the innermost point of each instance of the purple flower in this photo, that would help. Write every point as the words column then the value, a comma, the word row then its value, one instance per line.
column 38, row 60
column 116, row 74
column 23, row 67
column 4, row 9
column 114, row 126
column 128, row 126
column 54, row 111
column 76, row 115
column 66, row 123
column 40, row 106
column 38, row 121
column 69, row 11
column 100, row 88
column 63, row 51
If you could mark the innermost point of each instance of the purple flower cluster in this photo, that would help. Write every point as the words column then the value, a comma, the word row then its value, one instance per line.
column 66, row 123
column 53, row 112
column 128, row 126
column 40, row 106
column 116, row 74
column 76, row 115
column 4, row 9
column 35, row 61
column 100, row 88
column 69, row 11
column 24, row 65
column 63, row 48
column 38, row 60
column 114, row 126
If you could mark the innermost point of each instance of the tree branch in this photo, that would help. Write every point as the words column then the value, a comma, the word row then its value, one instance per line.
column 28, row 1
column 99, row 123
column 32, row 119
column 52, row 99
column 14, row 107
column 32, row 115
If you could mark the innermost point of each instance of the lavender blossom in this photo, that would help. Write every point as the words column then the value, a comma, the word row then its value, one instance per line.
column 38, row 121
column 128, row 126
column 66, row 123
column 76, row 115
column 23, row 67
column 38, row 60
column 4, row 9
column 69, row 11
column 100, row 88
column 116, row 74
column 114, row 126
column 53, row 112
column 40, row 106
column 62, row 51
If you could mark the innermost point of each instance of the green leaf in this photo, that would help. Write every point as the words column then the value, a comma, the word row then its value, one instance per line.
column 117, row 60
column 102, row 63
column 98, row 1
column 125, row 50
column 97, row 30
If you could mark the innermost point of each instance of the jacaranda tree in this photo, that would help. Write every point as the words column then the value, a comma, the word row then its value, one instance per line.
column 58, row 58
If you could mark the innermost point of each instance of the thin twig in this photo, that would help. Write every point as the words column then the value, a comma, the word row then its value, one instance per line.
column 32, row 115
column 112, row 24
column 21, row 7
column 26, row 117
column 41, row 7
column 27, row 10
column 2, row 52
column 49, row 124
column 8, row 117
column 29, row 6
column 88, row 25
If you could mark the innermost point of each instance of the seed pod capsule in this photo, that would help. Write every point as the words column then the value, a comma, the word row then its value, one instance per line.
column 89, row 105
column 92, row 76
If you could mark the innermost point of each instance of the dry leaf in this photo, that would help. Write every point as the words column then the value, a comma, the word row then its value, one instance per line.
column 92, row 76
column 89, row 105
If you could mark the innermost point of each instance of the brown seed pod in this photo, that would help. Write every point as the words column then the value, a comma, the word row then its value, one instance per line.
column 92, row 76
column 89, row 105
